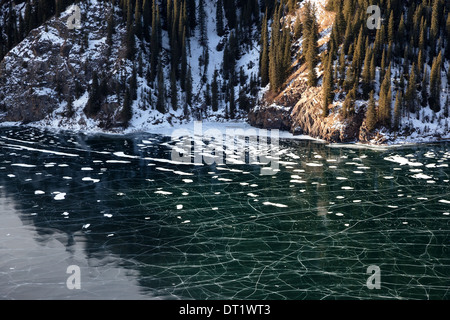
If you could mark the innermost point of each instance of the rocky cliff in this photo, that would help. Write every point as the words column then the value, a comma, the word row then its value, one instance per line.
column 55, row 64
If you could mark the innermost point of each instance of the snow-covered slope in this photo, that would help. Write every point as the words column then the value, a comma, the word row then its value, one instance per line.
column 54, row 64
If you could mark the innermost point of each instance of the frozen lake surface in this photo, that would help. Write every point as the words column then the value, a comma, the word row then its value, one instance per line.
column 140, row 225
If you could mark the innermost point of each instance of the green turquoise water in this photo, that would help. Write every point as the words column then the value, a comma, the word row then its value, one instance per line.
column 140, row 226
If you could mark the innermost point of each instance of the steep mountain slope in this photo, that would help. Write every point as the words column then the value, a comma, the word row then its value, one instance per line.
column 299, row 106
column 48, row 78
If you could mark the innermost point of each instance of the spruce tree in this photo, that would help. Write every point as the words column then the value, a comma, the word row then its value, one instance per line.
column 398, row 110
column 366, row 75
column 447, row 31
column 371, row 114
column 188, row 87
column 264, row 58
column 173, row 90
column 215, row 92
column 155, row 40
column 435, row 84
column 219, row 18
column 327, row 88
column 411, row 92
column 384, row 108
column 126, row 109
column 232, row 109
column 160, row 103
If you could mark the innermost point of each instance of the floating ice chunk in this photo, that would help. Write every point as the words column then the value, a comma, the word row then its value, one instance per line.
column 403, row 161
column 279, row 205
column 163, row 192
column 420, row 176
column 37, row 192
column 118, row 161
column 297, row 181
column 313, row 164
column 60, row 196
column 181, row 173
column 23, row 165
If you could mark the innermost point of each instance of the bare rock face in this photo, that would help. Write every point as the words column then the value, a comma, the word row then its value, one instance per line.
column 305, row 117
column 271, row 117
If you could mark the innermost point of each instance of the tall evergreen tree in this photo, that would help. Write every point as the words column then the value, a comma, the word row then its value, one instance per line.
column 411, row 91
column 215, row 92
column 264, row 58
column 161, row 101
column 327, row 88
column 219, row 18
column 435, row 84
column 371, row 114
column 398, row 110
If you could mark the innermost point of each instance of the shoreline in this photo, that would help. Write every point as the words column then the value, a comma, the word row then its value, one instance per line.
column 223, row 126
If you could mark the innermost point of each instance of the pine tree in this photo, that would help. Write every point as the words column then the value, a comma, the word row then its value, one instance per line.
column 447, row 30
column 232, row 109
column 348, row 107
column 275, row 54
column 155, row 40
column 188, row 87
column 69, row 108
column 366, row 74
column 264, row 58
column 219, row 18
column 173, row 90
column 146, row 18
column 138, row 19
column 384, row 107
column 435, row 84
column 425, row 88
column 215, row 92
column 202, row 23
column 398, row 110
column 126, row 109
column 371, row 114
column 160, row 103
column 411, row 92
column 93, row 104
column 327, row 87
